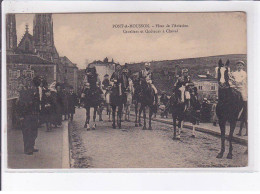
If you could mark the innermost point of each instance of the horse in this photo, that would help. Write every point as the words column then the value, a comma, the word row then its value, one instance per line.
column 137, row 101
column 91, row 95
column 116, row 101
column 107, row 102
column 147, row 98
column 128, row 102
column 228, row 108
column 178, row 107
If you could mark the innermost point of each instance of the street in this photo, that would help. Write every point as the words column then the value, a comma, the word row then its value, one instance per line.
column 132, row 147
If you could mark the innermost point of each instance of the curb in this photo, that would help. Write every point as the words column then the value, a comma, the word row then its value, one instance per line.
column 65, row 146
column 204, row 130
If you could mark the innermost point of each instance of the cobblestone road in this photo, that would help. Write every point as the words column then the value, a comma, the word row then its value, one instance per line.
column 132, row 147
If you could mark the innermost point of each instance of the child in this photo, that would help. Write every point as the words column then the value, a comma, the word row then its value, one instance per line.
column 48, row 109
column 72, row 103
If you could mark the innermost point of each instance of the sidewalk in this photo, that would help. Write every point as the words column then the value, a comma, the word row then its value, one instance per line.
column 53, row 149
column 208, row 128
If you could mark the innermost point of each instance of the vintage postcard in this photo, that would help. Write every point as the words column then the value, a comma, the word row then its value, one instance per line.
column 126, row 90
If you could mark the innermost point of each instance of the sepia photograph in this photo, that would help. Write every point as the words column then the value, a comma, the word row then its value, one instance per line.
column 126, row 90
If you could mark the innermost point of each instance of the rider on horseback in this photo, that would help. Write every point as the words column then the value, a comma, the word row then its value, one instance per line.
column 106, row 84
column 184, row 80
column 148, row 76
column 119, row 78
column 92, row 82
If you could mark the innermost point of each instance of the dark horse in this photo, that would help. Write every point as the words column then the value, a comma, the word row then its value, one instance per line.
column 147, row 98
column 228, row 108
column 116, row 100
column 91, row 96
column 177, row 108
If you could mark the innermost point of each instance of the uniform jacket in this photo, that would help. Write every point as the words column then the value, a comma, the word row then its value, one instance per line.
column 72, row 102
column 28, row 102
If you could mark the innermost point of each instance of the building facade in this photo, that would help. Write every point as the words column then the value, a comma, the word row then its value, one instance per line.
column 207, row 86
column 70, row 72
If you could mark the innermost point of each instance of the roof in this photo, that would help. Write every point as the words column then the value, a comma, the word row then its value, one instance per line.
column 65, row 60
column 27, row 34
column 102, row 63
column 206, row 77
column 26, row 59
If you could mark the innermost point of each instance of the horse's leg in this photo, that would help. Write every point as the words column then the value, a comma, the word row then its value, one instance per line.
column 120, row 108
column 230, row 137
column 87, row 118
column 114, row 116
column 150, row 118
column 222, row 125
column 125, row 111
column 174, row 126
column 100, row 110
column 139, row 118
column 109, row 113
column 128, row 112
column 193, row 131
column 94, row 118
column 179, row 128
column 144, row 117
column 136, row 113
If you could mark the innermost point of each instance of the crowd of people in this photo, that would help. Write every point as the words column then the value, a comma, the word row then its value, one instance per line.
column 39, row 105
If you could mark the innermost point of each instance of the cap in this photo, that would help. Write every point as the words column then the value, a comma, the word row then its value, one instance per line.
column 241, row 62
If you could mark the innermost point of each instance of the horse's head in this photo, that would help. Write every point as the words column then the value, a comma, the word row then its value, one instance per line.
column 222, row 72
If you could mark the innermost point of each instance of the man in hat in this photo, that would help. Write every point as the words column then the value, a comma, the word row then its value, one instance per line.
column 148, row 76
column 28, row 109
column 183, row 80
column 116, row 78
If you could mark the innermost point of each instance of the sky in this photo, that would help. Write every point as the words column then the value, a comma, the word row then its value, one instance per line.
column 84, row 38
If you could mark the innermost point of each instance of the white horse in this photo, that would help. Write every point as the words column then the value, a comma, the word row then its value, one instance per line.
column 107, row 99
column 129, row 97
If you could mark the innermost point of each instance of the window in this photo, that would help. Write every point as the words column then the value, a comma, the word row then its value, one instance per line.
column 200, row 87
column 28, row 67
column 213, row 87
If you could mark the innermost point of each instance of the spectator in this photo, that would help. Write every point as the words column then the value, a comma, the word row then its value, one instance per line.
column 72, row 103
column 164, row 105
column 58, row 105
column 48, row 109
column 28, row 111
column 65, row 103
column 205, row 111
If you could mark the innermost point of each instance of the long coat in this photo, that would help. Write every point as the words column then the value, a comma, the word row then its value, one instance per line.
column 72, row 102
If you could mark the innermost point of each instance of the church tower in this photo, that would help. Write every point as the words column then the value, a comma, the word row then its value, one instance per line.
column 43, row 36
column 11, row 36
